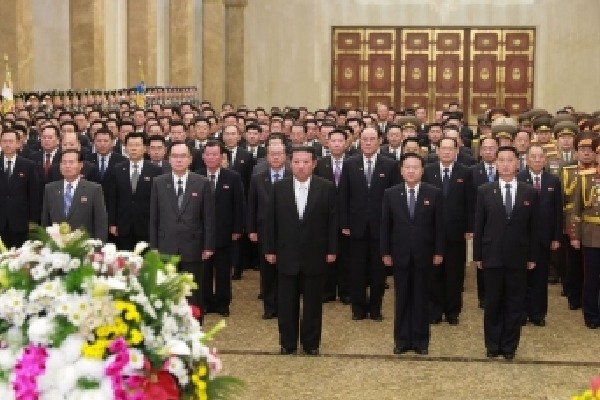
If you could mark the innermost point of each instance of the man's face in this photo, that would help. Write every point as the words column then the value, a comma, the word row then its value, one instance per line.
column 409, row 131
column 9, row 143
column 70, row 141
column 421, row 114
column 81, row 122
column 447, row 151
column 488, row 150
column 369, row 141
column 67, row 129
column 157, row 150
column 536, row 159
column 231, row 137
column 324, row 134
column 276, row 126
column 382, row 113
column 411, row 170
column 230, row 121
column 70, row 166
column 139, row 119
column 188, row 118
column 180, row 158
column 312, row 130
column 252, row 137
column 507, row 164
column 103, row 143
column 439, row 116
column 522, row 141
column 565, row 142
column 202, row 130
column 297, row 135
column 337, row 144
column 585, row 154
column 212, row 157
column 435, row 134
column 543, row 136
column 124, row 130
column 411, row 147
column 49, row 140
column 276, row 155
column 504, row 141
column 178, row 133
column 302, row 165
column 135, row 148
column 394, row 137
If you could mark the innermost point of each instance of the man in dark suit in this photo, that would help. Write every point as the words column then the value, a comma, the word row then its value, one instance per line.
column 70, row 141
column 301, row 237
column 412, row 242
column 157, row 150
column 104, row 158
column 394, row 142
column 550, row 230
column 258, row 198
column 482, row 173
column 253, row 145
column 229, row 212
column 330, row 168
column 363, row 181
column 49, row 155
column 129, row 188
column 20, row 200
column 75, row 200
column 447, row 281
column 505, row 246
column 182, row 216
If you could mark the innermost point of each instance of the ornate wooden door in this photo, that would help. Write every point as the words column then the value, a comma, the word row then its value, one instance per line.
column 347, row 71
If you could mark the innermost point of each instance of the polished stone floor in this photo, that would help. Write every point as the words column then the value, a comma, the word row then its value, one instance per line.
column 356, row 361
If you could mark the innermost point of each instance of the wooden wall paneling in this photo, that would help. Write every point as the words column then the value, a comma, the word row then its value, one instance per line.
column 485, row 76
column 347, row 70
column 448, row 64
column 380, row 66
column 518, row 69
column 416, row 77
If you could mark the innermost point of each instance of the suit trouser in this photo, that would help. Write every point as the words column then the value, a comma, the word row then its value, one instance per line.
column 591, row 285
column 337, row 273
column 128, row 240
column 480, row 285
column 536, row 298
column 12, row 238
column 217, row 280
column 366, row 265
column 290, row 323
column 560, row 257
column 446, row 282
column 411, row 317
column 504, row 306
column 197, row 270
column 574, row 276
column 268, row 284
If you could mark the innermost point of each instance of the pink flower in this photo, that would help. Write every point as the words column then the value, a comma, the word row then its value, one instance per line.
column 595, row 383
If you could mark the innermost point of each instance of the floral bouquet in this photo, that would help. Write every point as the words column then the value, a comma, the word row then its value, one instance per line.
column 593, row 393
column 81, row 320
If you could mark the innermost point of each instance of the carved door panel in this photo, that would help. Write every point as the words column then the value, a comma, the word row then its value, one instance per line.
column 380, row 56
column 416, row 75
column 347, row 71
column 518, row 70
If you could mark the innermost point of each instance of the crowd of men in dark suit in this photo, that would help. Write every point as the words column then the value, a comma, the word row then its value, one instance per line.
column 326, row 204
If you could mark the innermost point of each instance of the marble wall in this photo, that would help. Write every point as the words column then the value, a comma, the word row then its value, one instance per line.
column 288, row 43
column 16, row 42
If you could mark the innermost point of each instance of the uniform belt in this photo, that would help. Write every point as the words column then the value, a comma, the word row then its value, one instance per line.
column 591, row 219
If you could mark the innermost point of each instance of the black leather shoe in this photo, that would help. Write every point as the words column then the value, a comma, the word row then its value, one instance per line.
column 345, row 300
column 422, row 352
column 453, row 321
column 481, row 304
column 492, row 354
column 509, row 356
column 358, row 317
column 574, row 306
column 327, row 299
column 553, row 280
column 401, row 349
column 377, row 317
column 435, row 321
column 269, row 315
column 236, row 276
column 539, row 322
column 593, row 325
column 311, row 352
column 285, row 351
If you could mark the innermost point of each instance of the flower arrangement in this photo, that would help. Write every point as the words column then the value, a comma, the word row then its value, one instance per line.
column 593, row 393
column 81, row 320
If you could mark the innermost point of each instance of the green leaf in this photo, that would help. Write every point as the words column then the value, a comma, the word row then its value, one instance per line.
column 87, row 383
column 74, row 278
column 63, row 328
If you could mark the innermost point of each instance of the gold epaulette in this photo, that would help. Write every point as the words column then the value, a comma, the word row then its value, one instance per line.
column 424, row 148
column 588, row 171
column 550, row 144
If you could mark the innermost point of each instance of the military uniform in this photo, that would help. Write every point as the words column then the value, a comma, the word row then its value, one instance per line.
column 585, row 229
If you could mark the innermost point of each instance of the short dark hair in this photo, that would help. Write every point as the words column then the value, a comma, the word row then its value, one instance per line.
column 215, row 143
column 512, row 149
column 154, row 138
column 177, row 143
column 454, row 141
column 17, row 136
column 126, row 122
column 339, row 132
column 410, row 139
column 406, row 156
column 133, row 135
column 74, row 151
column 54, row 128
column 104, row 131
column 305, row 149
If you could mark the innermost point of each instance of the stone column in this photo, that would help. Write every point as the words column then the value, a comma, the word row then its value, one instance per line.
column 16, row 42
column 234, row 56
column 213, row 52
column 87, row 44
column 141, row 41
column 181, row 42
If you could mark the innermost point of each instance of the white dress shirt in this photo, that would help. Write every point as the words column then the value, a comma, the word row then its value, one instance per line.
column 183, row 180
column 442, row 168
column 301, row 194
column 216, row 174
column 513, row 190
column 140, row 165
column 12, row 163
column 233, row 154
column 373, row 161
column 73, row 185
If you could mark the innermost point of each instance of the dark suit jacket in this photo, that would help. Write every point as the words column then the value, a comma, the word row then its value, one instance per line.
column 20, row 198
column 550, row 207
column 422, row 236
column 130, row 212
column 258, row 198
column 38, row 159
column 261, row 152
column 243, row 164
column 360, row 205
column 186, row 231
column 456, row 202
column 499, row 241
column 229, row 205
column 87, row 210
column 478, row 178
column 166, row 167
column 115, row 158
column 385, row 150
column 301, row 245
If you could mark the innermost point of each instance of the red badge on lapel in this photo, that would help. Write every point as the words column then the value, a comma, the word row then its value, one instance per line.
column 426, row 202
column 241, row 161
column 382, row 175
column 551, row 189
column 194, row 194
column 225, row 186
column 83, row 199
column 21, row 175
column 526, row 203
column 459, row 180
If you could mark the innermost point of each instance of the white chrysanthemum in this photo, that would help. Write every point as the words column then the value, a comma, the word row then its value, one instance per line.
column 177, row 347
column 110, row 253
column 177, row 368
column 60, row 261
column 70, row 348
column 40, row 329
column 89, row 368
column 136, row 362
column 6, row 392
column 8, row 359
column 140, row 247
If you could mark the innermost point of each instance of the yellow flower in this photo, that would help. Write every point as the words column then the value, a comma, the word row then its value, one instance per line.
column 133, row 315
column 104, row 331
column 64, row 228
column 135, row 337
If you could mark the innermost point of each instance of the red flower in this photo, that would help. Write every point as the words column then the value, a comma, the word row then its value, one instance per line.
column 196, row 311
column 161, row 386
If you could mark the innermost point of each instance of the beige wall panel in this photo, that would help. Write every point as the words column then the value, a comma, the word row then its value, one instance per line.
column 288, row 43
column 141, row 41
column 87, row 44
column 16, row 42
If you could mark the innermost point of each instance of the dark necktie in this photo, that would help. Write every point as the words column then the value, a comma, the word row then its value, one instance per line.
column 508, row 203
column 135, row 176
column 9, row 168
column 275, row 177
column 491, row 175
column 536, row 183
column 446, row 181
column 369, row 173
column 412, row 200
column 522, row 162
column 179, row 193
column 337, row 172
column 47, row 163
column 68, row 198
column 102, row 166
column 213, row 181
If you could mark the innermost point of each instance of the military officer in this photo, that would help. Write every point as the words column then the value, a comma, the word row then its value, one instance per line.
column 585, row 234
